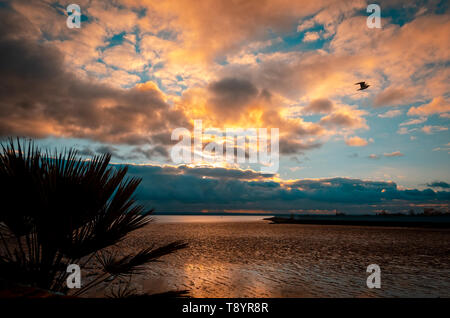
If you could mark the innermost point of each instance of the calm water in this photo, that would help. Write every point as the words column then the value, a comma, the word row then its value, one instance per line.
column 248, row 257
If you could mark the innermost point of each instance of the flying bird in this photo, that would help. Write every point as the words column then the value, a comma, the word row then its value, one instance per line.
column 363, row 85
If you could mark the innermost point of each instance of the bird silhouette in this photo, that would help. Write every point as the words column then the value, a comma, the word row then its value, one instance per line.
column 363, row 85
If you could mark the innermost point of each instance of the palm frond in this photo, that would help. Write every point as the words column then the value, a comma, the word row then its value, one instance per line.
column 134, row 263
column 58, row 209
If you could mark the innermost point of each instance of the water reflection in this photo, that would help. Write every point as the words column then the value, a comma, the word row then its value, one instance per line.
column 207, row 218
column 258, row 259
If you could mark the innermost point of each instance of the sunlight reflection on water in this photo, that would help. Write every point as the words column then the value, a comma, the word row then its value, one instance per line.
column 258, row 259
column 207, row 218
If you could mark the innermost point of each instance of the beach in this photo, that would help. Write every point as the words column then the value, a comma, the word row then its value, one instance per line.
column 249, row 257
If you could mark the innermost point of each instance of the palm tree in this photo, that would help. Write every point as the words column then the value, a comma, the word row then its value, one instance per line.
column 58, row 209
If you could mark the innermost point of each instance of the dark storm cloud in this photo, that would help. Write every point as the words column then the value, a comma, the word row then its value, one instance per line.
column 290, row 147
column 185, row 189
column 233, row 91
column 223, row 173
column 209, row 172
column 39, row 96
column 439, row 184
column 234, row 98
column 152, row 152
column 115, row 153
column 165, row 137
column 231, row 95
column 86, row 151
column 106, row 149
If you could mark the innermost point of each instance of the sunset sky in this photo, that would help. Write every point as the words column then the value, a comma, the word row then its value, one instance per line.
column 136, row 70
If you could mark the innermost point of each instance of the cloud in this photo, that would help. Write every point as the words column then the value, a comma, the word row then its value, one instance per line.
column 405, row 130
column 97, row 68
column 430, row 129
column 183, row 38
column 289, row 147
column 409, row 57
column 152, row 152
column 391, row 113
column 120, row 78
column 106, row 149
column 114, row 17
column 39, row 97
column 237, row 102
column 436, row 106
column 356, row 141
column 332, row 15
column 86, row 151
column 124, row 56
column 223, row 173
column 445, row 148
column 113, row 151
column 214, row 63
column 231, row 95
column 311, row 36
column 321, row 105
column 304, row 25
column 343, row 119
column 180, row 189
column 393, row 154
column 439, row 184
column 205, row 31
column 414, row 121
column 390, row 96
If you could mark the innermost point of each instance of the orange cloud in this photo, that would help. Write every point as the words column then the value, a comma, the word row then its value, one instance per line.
column 436, row 106
column 208, row 29
column 356, row 142
column 393, row 154
column 429, row 129
column 311, row 36
column 125, row 57
column 180, row 42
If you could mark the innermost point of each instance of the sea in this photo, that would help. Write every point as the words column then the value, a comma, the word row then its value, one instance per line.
column 247, row 256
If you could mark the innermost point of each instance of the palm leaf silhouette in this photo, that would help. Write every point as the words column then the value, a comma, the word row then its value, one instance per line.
column 58, row 209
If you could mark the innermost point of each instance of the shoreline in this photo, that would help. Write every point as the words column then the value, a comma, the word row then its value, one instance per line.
column 366, row 220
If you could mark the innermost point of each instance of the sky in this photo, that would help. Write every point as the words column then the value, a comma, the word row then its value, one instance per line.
column 137, row 70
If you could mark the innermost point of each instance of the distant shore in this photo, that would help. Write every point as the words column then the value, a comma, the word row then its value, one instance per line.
column 367, row 220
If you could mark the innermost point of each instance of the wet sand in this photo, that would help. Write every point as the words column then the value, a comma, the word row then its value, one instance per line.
column 259, row 259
